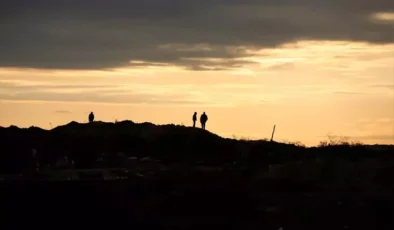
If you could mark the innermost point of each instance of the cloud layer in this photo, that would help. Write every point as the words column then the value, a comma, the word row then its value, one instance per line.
column 198, row 35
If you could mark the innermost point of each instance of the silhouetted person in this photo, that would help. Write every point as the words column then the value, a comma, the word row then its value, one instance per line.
column 91, row 117
column 194, row 119
column 203, row 120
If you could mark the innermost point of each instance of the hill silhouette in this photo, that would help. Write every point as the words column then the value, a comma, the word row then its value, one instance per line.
column 85, row 142
column 244, row 185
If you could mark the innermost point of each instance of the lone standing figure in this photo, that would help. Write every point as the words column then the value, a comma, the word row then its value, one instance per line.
column 194, row 119
column 203, row 120
column 91, row 117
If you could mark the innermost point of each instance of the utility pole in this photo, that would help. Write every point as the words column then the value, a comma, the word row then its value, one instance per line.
column 273, row 132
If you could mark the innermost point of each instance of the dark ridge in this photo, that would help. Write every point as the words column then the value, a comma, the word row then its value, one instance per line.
column 85, row 142
column 207, row 180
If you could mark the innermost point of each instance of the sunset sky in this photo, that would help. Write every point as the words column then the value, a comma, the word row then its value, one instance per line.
column 310, row 67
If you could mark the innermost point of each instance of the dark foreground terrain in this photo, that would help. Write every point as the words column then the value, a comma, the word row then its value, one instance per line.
column 175, row 177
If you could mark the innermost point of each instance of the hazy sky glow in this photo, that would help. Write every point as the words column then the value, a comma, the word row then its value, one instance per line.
column 310, row 68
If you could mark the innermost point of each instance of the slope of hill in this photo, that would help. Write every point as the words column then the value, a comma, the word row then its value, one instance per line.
column 85, row 142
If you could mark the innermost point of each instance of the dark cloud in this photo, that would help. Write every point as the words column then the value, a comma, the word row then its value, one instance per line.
column 99, row 93
column 121, row 98
column 41, row 87
column 388, row 86
column 90, row 34
column 348, row 93
column 282, row 66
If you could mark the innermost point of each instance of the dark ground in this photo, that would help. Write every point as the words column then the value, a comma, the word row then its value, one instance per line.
column 272, row 185
column 137, row 204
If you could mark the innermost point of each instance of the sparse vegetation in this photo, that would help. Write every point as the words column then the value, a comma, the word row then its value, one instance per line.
column 339, row 141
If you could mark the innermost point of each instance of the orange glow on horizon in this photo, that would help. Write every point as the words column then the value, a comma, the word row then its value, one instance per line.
column 307, row 88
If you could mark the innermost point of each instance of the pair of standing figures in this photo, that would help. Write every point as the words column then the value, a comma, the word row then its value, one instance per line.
column 203, row 119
